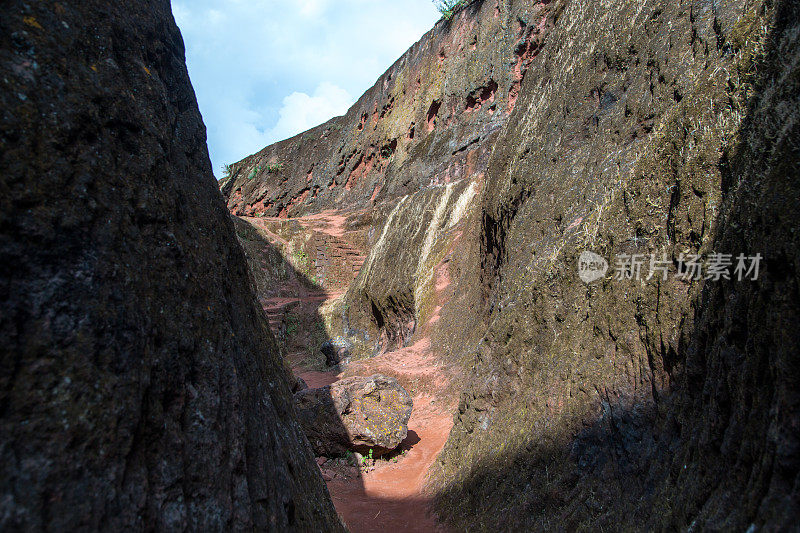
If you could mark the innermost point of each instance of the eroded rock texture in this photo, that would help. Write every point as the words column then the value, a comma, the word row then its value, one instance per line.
column 649, row 127
column 140, row 387
column 430, row 119
column 358, row 414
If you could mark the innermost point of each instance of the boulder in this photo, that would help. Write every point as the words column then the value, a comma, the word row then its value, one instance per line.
column 336, row 350
column 358, row 414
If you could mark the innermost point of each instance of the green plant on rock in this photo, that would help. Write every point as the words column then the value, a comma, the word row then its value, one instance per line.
column 227, row 170
column 275, row 169
column 301, row 260
column 292, row 324
column 349, row 457
column 367, row 458
column 448, row 8
column 254, row 172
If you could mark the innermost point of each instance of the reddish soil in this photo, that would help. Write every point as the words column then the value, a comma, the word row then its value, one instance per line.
column 259, row 222
column 316, row 380
column 329, row 222
column 389, row 494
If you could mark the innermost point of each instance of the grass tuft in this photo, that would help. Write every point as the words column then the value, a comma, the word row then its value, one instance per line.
column 448, row 8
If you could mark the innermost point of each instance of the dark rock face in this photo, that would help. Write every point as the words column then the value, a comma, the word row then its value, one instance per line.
column 336, row 350
column 666, row 404
column 140, row 387
column 358, row 414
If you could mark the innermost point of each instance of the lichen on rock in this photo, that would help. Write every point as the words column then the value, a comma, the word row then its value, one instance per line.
column 355, row 414
column 140, row 387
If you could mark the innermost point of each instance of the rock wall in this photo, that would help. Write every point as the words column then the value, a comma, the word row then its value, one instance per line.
column 393, row 293
column 663, row 129
column 140, row 386
column 430, row 119
column 650, row 127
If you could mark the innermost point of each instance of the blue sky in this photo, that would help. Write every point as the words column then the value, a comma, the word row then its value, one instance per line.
column 265, row 70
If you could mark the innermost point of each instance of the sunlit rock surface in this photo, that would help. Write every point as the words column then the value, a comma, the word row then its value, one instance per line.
column 544, row 130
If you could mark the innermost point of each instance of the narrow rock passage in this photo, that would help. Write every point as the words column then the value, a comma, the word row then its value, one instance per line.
column 391, row 496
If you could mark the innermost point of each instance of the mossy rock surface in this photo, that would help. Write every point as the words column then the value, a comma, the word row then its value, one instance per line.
column 356, row 414
column 141, row 389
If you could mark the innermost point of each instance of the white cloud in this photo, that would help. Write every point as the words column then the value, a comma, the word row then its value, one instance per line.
column 264, row 70
column 312, row 7
column 301, row 111
column 215, row 16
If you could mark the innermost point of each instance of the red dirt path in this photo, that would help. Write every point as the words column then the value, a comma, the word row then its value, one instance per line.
column 390, row 495
column 329, row 222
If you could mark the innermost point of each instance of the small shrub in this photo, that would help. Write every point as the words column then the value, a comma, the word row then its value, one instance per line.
column 254, row 172
column 226, row 170
column 275, row 169
column 367, row 458
column 448, row 8
column 301, row 257
column 292, row 324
